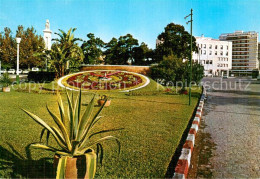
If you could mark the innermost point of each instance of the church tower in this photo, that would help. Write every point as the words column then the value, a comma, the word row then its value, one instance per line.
column 47, row 35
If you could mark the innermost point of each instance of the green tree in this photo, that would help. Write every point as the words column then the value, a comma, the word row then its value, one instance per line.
column 65, row 54
column 120, row 51
column 175, row 40
column 29, row 45
column 173, row 70
column 7, row 48
column 126, row 44
column 168, row 70
column 92, row 49
column 112, row 52
column 141, row 54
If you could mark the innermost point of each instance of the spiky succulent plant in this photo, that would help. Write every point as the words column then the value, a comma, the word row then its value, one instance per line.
column 73, row 133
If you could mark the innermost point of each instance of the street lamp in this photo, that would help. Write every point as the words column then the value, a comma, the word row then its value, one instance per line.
column 190, row 21
column 18, row 40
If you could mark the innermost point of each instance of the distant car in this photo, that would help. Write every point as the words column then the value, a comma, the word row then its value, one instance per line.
column 11, row 71
column 25, row 71
column 35, row 69
column 3, row 70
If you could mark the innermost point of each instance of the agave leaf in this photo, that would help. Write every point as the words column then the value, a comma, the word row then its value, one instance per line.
column 82, row 149
column 84, row 138
column 62, row 128
column 47, row 137
column 42, row 123
column 75, row 145
column 91, row 161
column 70, row 114
column 61, row 109
column 61, row 169
column 85, row 118
column 42, row 133
column 96, row 120
column 104, row 131
column 76, row 112
column 44, row 147
column 100, row 154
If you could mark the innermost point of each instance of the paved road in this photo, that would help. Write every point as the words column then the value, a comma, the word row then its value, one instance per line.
column 231, row 125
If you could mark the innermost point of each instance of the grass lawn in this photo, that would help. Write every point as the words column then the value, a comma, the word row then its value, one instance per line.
column 153, row 126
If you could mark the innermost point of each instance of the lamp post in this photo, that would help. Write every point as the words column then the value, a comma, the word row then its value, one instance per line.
column 190, row 21
column 18, row 40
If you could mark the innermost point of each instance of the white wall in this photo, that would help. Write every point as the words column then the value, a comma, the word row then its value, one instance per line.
column 215, row 61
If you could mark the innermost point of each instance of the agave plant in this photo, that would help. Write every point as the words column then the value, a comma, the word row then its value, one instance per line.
column 74, row 133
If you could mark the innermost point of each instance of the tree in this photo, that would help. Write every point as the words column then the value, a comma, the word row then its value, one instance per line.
column 30, row 44
column 7, row 48
column 141, row 54
column 168, row 70
column 92, row 49
column 65, row 55
column 126, row 44
column 174, row 71
column 175, row 40
column 120, row 51
column 111, row 53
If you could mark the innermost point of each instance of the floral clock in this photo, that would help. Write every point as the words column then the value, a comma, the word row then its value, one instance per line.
column 104, row 80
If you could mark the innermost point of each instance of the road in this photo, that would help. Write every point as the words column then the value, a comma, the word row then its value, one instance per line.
column 228, row 143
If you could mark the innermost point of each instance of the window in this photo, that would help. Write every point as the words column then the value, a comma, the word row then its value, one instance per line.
column 216, row 53
column 227, row 47
column 210, row 52
column 204, row 52
column 210, row 46
column 210, row 62
column 204, row 45
column 221, row 53
column 200, row 45
column 216, row 47
column 227, row 54
column 221, row 47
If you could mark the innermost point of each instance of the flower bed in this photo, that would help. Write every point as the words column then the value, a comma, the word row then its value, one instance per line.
column 104, row 80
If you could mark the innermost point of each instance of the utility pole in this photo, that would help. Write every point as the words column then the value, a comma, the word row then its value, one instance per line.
column 190, row 21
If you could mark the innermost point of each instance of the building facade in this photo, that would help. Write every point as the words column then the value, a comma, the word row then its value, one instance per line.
column 244, row 51
column 214, row 55
column 259, row 55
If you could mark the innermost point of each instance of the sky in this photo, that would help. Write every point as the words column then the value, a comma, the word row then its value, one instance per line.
column 144, row 19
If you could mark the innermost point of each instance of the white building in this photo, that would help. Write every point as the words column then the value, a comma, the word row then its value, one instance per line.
column 47, row 35
column 214, row 55
column 244, row 51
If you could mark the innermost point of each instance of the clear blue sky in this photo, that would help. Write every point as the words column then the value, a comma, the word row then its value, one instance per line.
column 144, row 19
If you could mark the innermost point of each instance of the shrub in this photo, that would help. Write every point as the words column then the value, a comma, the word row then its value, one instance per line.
column 172, row 70
column 41, row 76
column 5, row 80
column 255, row 73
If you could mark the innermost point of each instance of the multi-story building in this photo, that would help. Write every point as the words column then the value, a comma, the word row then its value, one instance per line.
column 214, row 55
column 259, row 54
column 244, row 51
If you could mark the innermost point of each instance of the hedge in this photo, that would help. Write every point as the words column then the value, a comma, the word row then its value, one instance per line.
column 41, row 76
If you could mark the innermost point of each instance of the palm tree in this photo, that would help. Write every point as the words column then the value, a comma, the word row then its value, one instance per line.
column 65, row 52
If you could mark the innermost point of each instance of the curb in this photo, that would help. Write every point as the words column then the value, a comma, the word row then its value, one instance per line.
column 182, row 167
